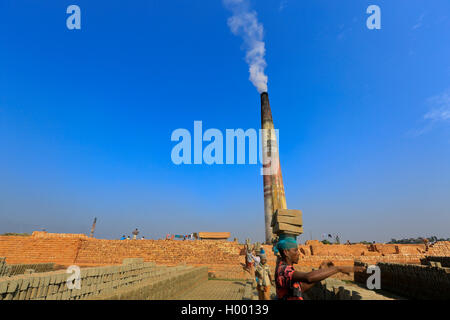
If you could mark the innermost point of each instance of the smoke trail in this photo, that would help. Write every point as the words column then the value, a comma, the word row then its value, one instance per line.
column 244, row 23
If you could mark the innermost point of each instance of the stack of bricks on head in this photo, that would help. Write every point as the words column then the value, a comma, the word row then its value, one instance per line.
column 287, row 222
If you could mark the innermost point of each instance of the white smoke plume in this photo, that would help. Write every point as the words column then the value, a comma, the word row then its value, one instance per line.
column 244, row 23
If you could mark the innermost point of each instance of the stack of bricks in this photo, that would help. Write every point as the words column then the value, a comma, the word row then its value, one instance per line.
column 167, row 252
column 95, row 281
column 286, row 221
column 167, row 286
column 441, row 248
column 412, row 281
column 31, row 250
column 5, row 270
column 16, row 269
column 46, row 235
column 332, row 289
column 436, row 260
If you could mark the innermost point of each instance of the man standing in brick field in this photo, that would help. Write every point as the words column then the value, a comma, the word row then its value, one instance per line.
column 290, row 284
column 135, row 233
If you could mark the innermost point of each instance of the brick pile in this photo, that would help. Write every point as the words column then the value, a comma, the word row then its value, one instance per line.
column 5, row 270
column 165, row 287
column 331, row 289
column 222, row 257
column 411, row 280
column 16, row 269
column 96, row 281
column 167, row 252
column 430, row 260
column 58, row 250
column 441, row 248
column 46, row 235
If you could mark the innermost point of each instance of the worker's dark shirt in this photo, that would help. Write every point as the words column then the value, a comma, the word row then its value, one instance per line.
column 287, row 289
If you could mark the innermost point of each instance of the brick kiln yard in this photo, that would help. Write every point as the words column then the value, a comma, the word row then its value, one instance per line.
column 203, row 269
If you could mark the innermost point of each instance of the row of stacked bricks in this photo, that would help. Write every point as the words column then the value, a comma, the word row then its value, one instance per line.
column 178, row 284
column 416, row 281
column 411, row 280
column 441, row 261
column 5, row 270
column 32, row 250
column 16, row 269
column 170, row 252
column 169, row 284
column 53, row 285
column 441, row 248
column 326, row 290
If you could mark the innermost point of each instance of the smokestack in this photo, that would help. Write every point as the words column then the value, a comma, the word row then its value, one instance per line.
column 93, row 228
column 274, row 197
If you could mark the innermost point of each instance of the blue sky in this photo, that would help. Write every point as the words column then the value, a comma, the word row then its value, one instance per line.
column 86, row 117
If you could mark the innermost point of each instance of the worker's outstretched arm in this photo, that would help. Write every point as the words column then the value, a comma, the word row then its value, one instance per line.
column 314, row 276
column 321, row 274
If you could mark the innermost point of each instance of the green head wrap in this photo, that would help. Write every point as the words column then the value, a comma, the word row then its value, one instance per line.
column 286, row 242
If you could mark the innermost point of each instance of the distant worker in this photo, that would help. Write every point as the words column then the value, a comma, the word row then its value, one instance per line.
column 142, row 238
column 290, row 284
column 128, row 237
column 256, row 259
column 123, row 237
column 135, row 233
column 249, row 260
column 264, row 281
column 426, row 242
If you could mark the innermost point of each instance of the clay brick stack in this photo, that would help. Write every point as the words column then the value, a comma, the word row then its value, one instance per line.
column 16, row 269
column 411, row 280
column 135, row 279
column 287, row 221
column 18, row 249
column 46, row 235
column 5, row 270
column 441, row 248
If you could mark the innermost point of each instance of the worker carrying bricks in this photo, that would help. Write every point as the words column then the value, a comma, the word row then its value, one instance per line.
column 290, row 284
column 264, row 279
column 248, row 259
column 135, row 233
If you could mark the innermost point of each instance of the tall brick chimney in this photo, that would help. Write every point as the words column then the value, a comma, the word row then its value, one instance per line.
column 274, row 197
column 93, row 228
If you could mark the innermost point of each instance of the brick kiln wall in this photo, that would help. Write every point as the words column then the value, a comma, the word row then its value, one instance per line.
column 29, row 250
column 167, row 252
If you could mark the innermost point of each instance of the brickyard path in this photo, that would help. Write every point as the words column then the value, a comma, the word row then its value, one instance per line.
column 245, row 290
column 215, row 290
